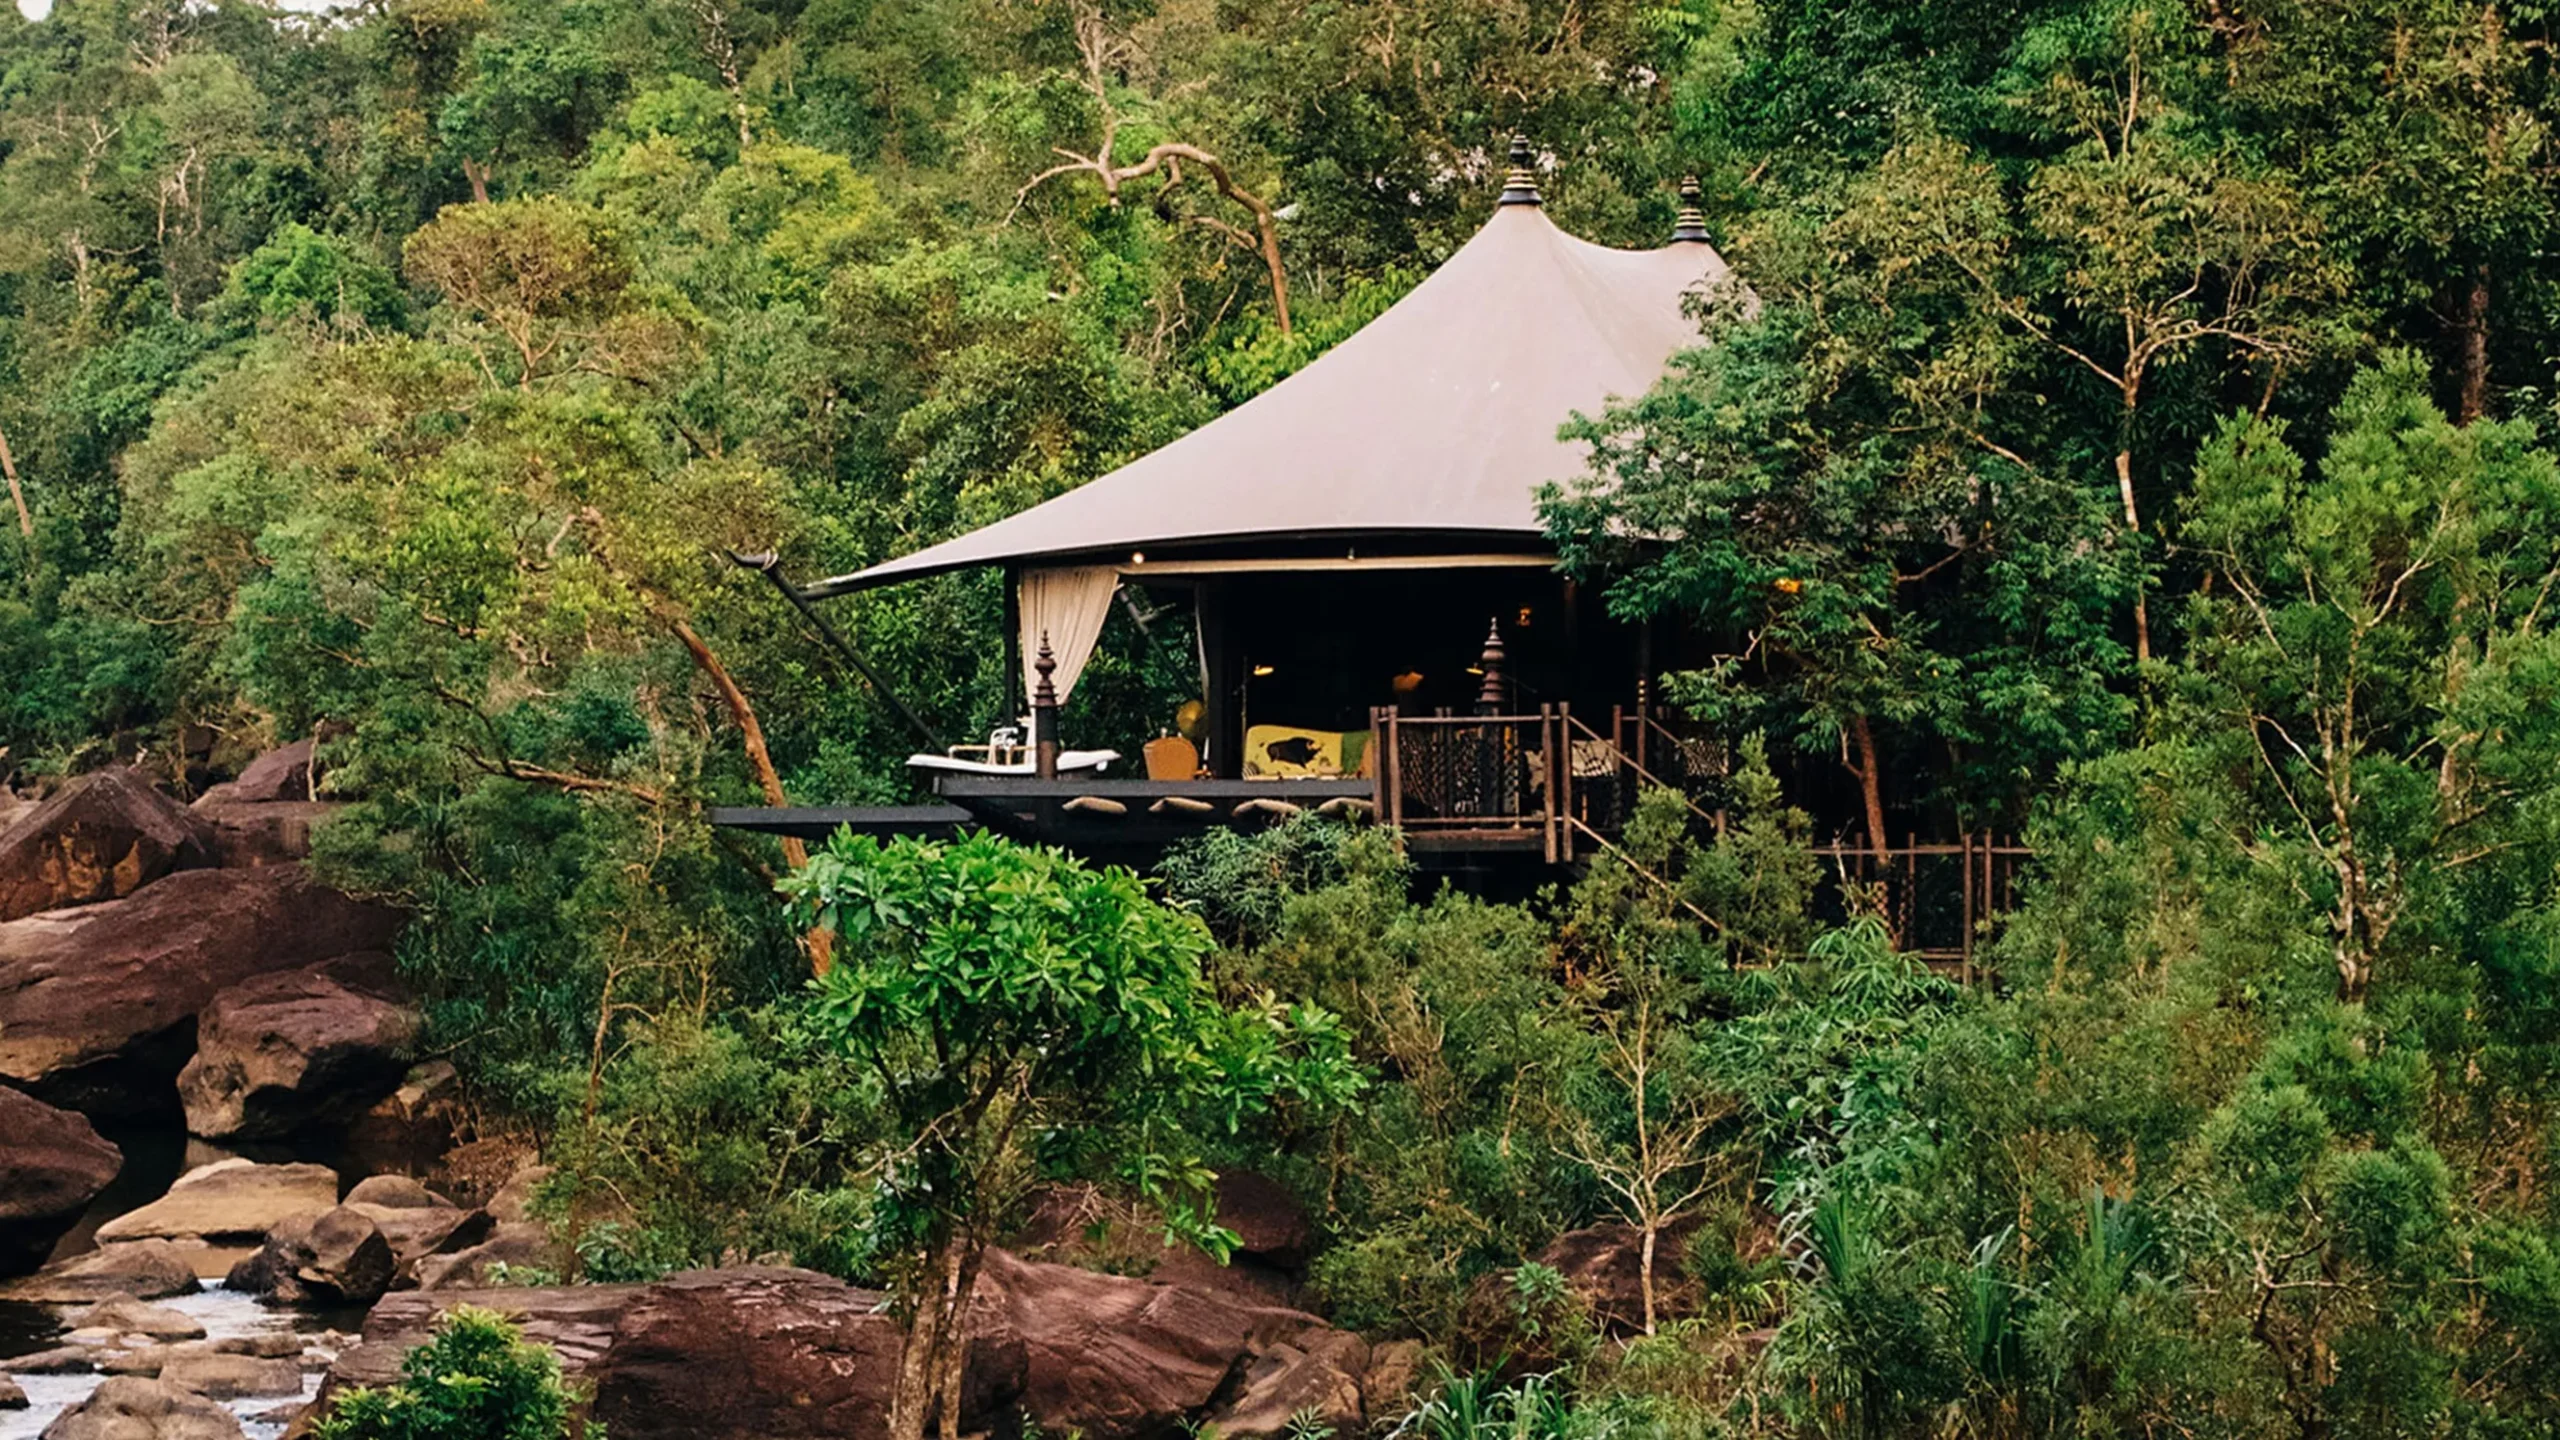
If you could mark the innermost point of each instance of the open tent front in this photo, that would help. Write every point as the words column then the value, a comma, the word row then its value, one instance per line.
column 1347, row 539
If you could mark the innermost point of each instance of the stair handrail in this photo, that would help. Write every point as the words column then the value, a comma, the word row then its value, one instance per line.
column 1574, row 722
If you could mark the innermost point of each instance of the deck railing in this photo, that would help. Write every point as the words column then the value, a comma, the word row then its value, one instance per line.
column 1550, row 783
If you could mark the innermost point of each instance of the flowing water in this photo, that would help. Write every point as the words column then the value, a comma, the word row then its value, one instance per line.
column 225, row 1314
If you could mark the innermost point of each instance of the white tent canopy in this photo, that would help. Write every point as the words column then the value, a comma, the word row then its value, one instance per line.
column 1436, row 422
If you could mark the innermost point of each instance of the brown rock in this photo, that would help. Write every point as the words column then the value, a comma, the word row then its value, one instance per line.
column 415, row 1235
column 230, row 1200
column 411, row 1128
column 1394, row 1379
column 246, row 836
column 232, row 1377
column 126, row 1315
column 98, row 1004
column 103, row 836
column 396, row 1192
column 151, row 1270
column 1318, row 1374
column 514, row 1201
column 144, row 1361
column 1270, row 1225
column 1604, row 1265
column 286, row 1052
column 127, row 1407
column 776, row 1354
column 513, row 1245
column 576, row 1322
column 1083, row 1226
column 331, row 1257
column 739, row 1354
column 282, row 774
column 61, row 1360
column 1118, row 1358
column 11, row 1397
column 52, row 1164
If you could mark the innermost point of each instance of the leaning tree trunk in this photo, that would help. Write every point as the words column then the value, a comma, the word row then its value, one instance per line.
column 1869, row 769
column 760, row 759
column 17, row 496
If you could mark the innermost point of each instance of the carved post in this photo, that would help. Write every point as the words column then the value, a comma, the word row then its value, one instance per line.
column 1044, row 713
column 1491, row 695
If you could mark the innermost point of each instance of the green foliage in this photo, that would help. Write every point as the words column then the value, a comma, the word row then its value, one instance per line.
column 700, row 1144
column 478, row 1379
column 1028, row 1017
column 2066, row 331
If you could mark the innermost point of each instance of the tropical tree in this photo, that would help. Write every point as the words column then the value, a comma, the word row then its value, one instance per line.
column 1029, row 1018
column 2380, row 635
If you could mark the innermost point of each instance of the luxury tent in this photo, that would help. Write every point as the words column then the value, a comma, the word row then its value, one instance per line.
column 1347, row 535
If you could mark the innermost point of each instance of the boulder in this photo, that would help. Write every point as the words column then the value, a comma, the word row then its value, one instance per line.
column 102, row 836
column 286, row 1052
column 518, row 1245
column 150, row 1270
column 281, row 774
column 396, row 1192
column 52, row 1164
column 61, row 1360
column 230, row 1201
column 246, row 836
column 1270, row 1225
column 1118, row 1358
column 770, row 1354
column 329, row 1257
column 1084, row 1226
column 11, row 1397
column 750, row 1353
column 1394, row 1380
column 98, row 1004
column 416, row 1220
column 776, row 1354
column 127, row 1407
column 232, row 1377
column 576, row 1322
column 1320, row 1373
column 126, row 1315
column 1605, row 1266
column 411, row 1128
column 513, row 1204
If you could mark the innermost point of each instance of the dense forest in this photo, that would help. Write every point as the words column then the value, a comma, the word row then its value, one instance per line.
column 2138, row 429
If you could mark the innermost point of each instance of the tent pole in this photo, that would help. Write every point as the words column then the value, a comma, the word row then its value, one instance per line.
column 770, row 566
column 1006, row 713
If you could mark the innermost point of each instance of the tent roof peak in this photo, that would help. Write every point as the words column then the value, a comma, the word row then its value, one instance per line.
column 1435, row 422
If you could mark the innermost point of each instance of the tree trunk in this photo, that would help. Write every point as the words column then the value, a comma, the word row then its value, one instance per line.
column 937, row 1349
column 1870, row 772
column 2133, row 539
column 821, row 943
column 17, row 496
column 1644, row 1269
column 2474, row 326
column 477, row 172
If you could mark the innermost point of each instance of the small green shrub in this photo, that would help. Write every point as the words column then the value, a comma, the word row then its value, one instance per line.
column 476, row 1380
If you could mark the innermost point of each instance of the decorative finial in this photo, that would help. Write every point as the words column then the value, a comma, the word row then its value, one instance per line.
column 1490, row 696
column 1692, row 224
column 1520, row 187
column 1044, row 714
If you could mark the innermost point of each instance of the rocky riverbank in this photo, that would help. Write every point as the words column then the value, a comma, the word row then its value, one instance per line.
column 168, row 969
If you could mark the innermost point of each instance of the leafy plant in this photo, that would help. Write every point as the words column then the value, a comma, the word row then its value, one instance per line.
column 477, row 1379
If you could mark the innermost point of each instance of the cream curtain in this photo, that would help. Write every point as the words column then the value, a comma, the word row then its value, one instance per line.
column 1068, row 604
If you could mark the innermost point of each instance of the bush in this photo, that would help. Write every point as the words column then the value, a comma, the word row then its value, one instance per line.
column 476, row 1380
